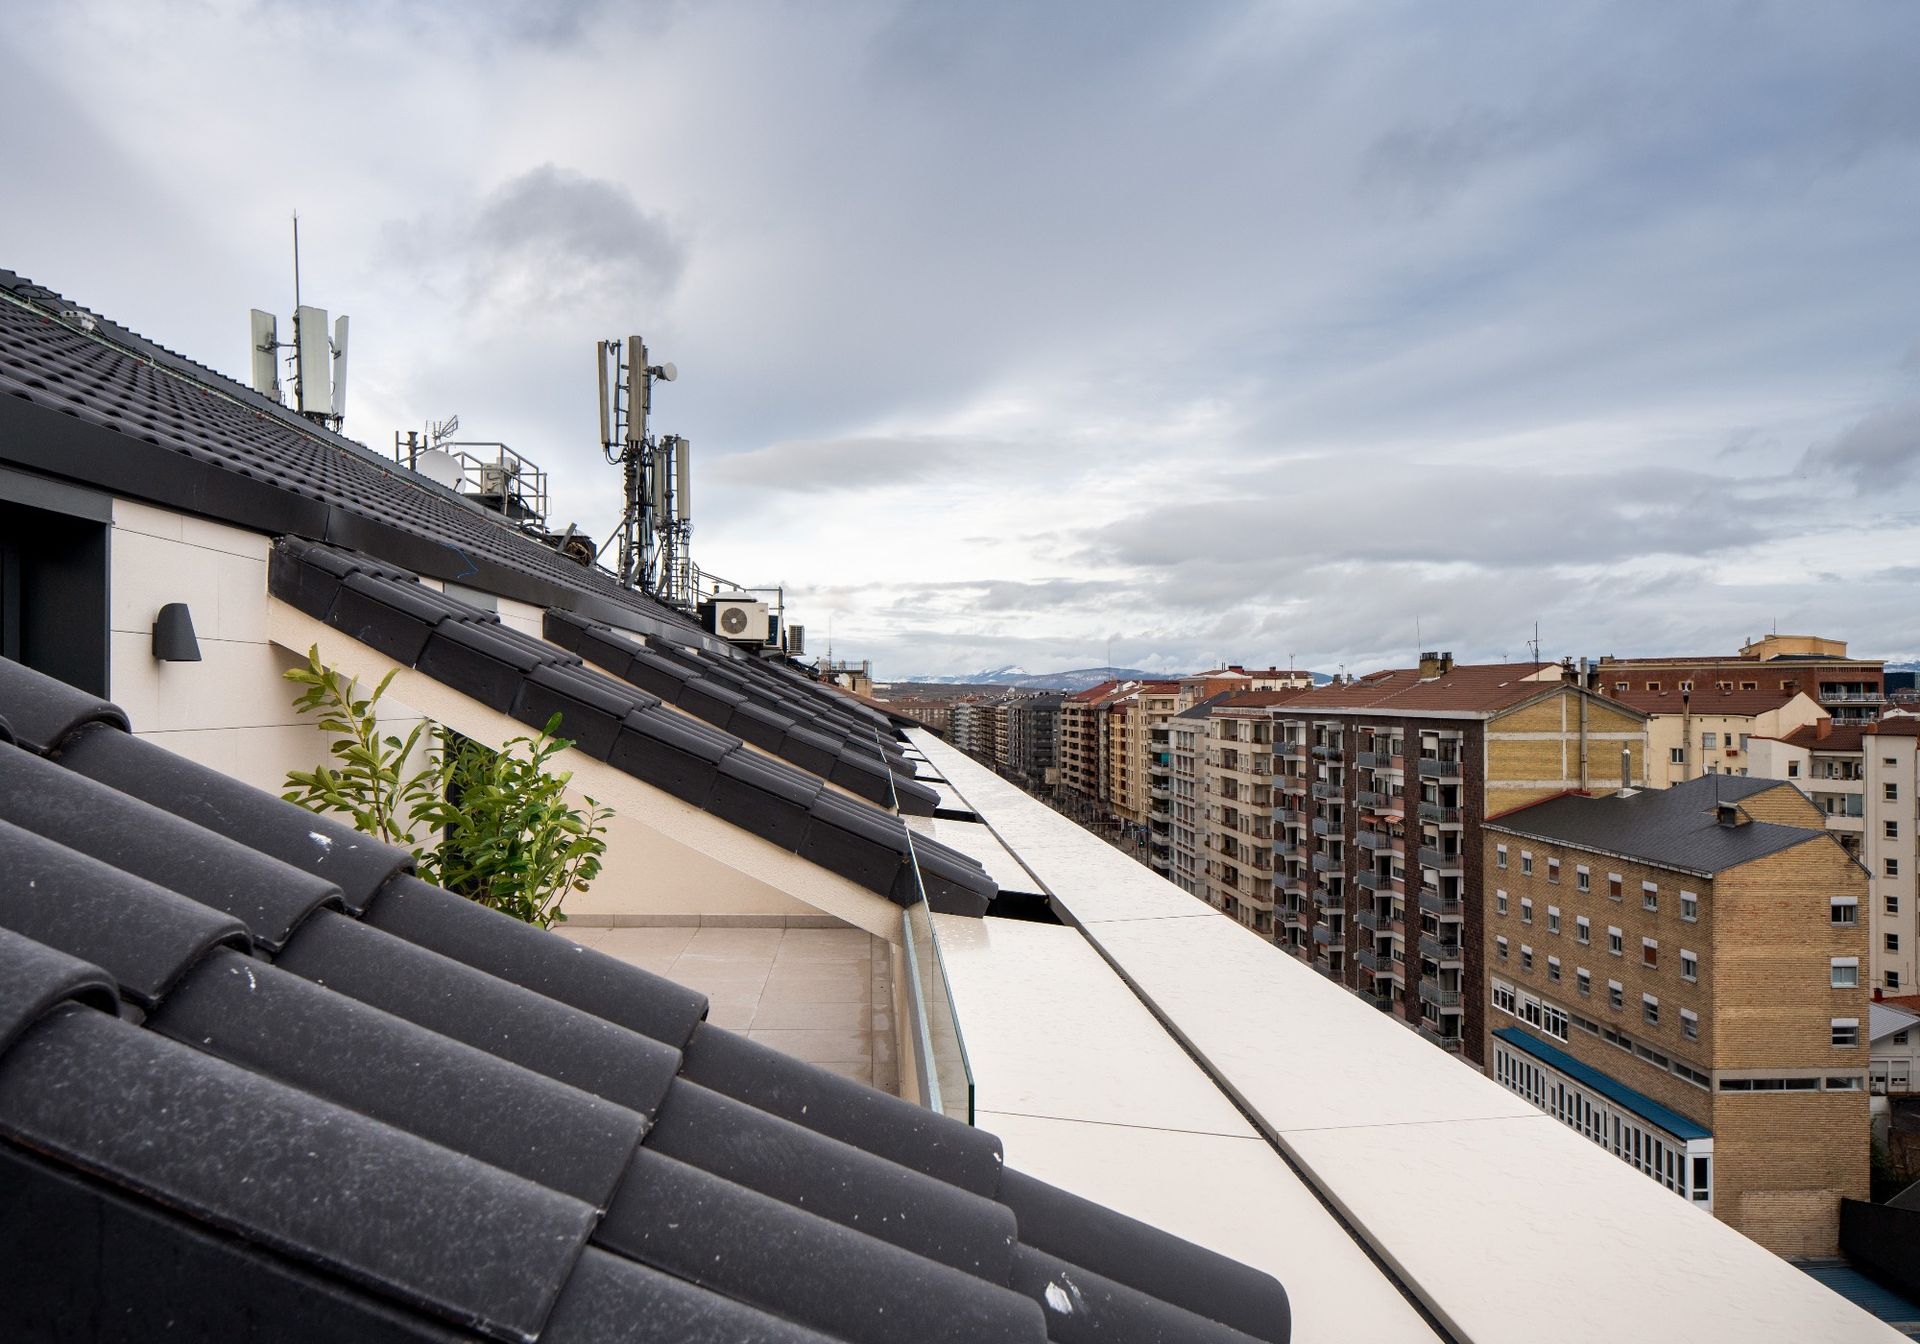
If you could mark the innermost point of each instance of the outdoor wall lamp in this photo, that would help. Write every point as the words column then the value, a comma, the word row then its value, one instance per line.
column 173, row 639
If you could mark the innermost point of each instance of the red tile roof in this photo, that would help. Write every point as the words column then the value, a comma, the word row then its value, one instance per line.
column 1260, row 699
column 1707, row 701
column 1465, row 689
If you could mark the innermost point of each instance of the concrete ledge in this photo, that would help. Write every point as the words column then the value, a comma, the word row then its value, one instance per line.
column 603, row 920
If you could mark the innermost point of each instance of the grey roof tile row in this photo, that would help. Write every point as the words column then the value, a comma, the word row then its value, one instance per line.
column 472, row 651
column 431, row 1122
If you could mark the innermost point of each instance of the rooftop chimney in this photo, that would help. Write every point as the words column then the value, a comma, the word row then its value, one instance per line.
column 1730, row 815
column 1626, row 771
column 1435, row 665
column 1822, row 726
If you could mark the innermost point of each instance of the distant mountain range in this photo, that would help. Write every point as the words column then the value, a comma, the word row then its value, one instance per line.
column 1079, row 679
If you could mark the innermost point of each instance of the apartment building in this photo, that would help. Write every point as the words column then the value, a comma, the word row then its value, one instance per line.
column 1382, row 786
column 1865, row 781
column 936, row 712
column 1033, row 731
column 1852, row 690
column 1236, row 816
column 1181, row 817
column 1676, row 974
column 1140, row 761
column 1709, row 731
column 1084, row 740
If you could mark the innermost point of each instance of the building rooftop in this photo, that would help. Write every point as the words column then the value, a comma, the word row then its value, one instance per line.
column 1257, row 699
column 1469, row 690
column 1710, row 700
column 1676, row 828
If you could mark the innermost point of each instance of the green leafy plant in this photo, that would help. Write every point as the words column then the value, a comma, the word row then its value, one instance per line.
column 493, row 826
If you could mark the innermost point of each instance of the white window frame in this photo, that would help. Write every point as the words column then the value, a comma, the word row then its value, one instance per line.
column 1843, row 972
column 1582, row 929
column 1689, row 906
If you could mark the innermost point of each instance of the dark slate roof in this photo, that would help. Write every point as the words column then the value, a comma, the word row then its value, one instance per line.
column 1675, row 828
column 259, row 1082
column 112, row 409
column 471, row 650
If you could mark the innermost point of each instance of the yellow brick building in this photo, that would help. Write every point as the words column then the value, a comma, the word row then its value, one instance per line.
column 1679, row 975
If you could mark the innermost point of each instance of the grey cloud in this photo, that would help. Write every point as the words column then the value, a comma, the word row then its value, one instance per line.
column 1878, row 451
column 562, row 234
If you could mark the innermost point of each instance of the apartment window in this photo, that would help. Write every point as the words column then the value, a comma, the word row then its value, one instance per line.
column 1893, row 942
column 1553, row 969
column 1616, row 994
column 1526, row 957
column 1614, row 886
column 1615, row 944
column 1846, row 1032
column 1622, row 686
column 1500, row 948
column 1653, row 685
column 1709, row 741
column 1649, row 896
column 1844, row 972
column 1499, row 856
column 1553, row 870
column 1676, row 755
column 1649, row 952
column 1689, row 907
column 1793, row 769
column 1689, row 966
column 1553, row 919
column 1500, row 901
column 1893, row 830
column 1503, row 998
column 1893, row 979
column 1744, row 739
column 1526, row 863
column 1893, row 905
column 1689, row 1024
column 1584, row 979
column 1892, row 793
column 1582, row 878
column 1749, row 685
column 1650, row 1010
column 1893, row 867
column 1526, row 910
column 1844, row 910
column 1582, row 929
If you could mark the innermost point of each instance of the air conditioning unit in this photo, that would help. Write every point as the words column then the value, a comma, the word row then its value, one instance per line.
column 739, row 618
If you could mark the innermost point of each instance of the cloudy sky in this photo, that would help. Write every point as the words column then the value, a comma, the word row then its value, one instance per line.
column 1009, row 331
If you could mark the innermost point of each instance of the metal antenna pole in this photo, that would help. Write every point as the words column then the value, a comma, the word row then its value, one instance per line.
column 299, row 385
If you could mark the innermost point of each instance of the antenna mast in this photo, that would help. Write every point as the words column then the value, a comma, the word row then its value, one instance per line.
column 655, row 522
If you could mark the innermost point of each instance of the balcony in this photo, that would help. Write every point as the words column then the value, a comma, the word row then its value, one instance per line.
column 1439, row 815
column 1291, row 885
column 1370, row 799
column 1381, row 884
column 1381, row 925
column 1326, row 900
column 1447, row 907
column 1323, row 935
column 1160, row 793
column 1327, row 826
column 1440, row 767
column 1440, row 860
column 1290, row 751
column 1160, row 861
column 1291, row 784
column 1380, row 842
column 1288, row 849
column 1445, row 1042
column 1326, row 863
column 1375, row 963
column 1327, row 751
column 1434, row 996
column 1327, row 792
column 1381, row 760
column 1435, row 949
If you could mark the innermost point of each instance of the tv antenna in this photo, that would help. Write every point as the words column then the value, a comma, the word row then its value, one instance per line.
column 319, row 364
column 1534, row 643
column 656, row 521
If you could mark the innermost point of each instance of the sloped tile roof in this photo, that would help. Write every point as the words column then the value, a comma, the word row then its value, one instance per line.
column 471, row 650
column 1467, row 689
column 1709, row 701
column 364, row 1108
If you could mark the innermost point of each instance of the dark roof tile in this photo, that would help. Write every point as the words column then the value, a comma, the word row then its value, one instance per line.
column 357, row 864
column 142, row 935
column 323, row 1184
column 34, row 977
column 42, row 713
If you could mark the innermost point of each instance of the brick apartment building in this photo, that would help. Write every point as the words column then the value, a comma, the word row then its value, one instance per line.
column 1710, row 731
column 1381, row 787
column 1236, row 797
column 1676, row 974
column 1852, row 690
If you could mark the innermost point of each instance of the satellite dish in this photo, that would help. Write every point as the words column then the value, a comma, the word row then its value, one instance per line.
column 669, row 371
column 440, row 467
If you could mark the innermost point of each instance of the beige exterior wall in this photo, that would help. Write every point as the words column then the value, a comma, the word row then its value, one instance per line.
column 233, row 710
column 1687, row 735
